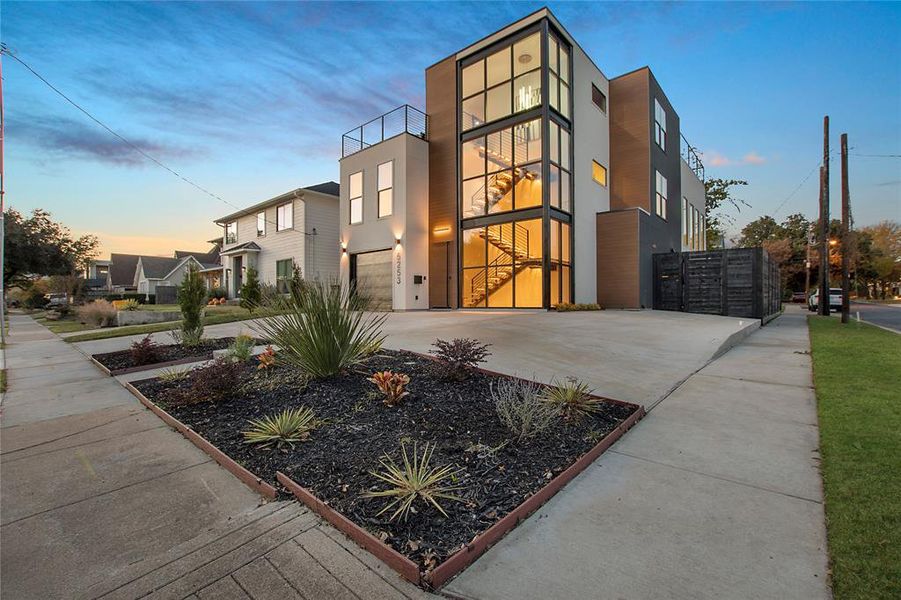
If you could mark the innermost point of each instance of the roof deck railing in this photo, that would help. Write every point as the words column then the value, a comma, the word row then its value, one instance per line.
column 403, row 119
column 690, row 156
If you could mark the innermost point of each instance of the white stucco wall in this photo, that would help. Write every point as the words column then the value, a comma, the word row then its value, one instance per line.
column 408, row 221
column 591, row 142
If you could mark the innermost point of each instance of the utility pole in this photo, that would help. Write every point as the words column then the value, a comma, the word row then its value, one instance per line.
column 846, row 232
column 2, row 221
column 810, row 241
column 823, row 308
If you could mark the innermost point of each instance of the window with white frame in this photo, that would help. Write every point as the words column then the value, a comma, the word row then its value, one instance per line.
column 261, row 224
column 355, row 184
column 660, row 208
column 659, row 125
column 284, row 217
column 231, row 232
column 385, row 189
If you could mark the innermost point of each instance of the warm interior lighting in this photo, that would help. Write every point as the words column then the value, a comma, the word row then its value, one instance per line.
column 833, row 242
column 440, row 230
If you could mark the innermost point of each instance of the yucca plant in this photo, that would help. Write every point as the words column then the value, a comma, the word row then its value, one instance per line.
column 285, row 428
column 172, row 375
column 572, row 398
column 412, row 481
column 392, row 386
column 321, row 328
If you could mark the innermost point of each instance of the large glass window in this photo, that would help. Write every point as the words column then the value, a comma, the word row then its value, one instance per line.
column 659, row 125
column 560, row 178
column 501, row 171
column 599, row 173
column 685, row 222
column 385, row 188
column 504, row 83
column 561, row 263
column 660, row 207
column 502, row 265
column 558, row 76
column 284, row 217
column 355, row 183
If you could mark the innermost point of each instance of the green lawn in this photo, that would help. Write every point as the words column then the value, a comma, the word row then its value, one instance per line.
column 215, row 315
column 857, row 374
column 2, row 380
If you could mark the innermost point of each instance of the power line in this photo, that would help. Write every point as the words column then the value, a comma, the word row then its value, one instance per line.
column 877, row 155
column 4, row 49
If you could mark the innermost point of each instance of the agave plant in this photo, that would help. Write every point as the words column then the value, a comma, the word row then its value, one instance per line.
column 173, row 374
column 321, row 328
column 413, row 481
column 392, row 386
column 572, row 398
column 286, row 428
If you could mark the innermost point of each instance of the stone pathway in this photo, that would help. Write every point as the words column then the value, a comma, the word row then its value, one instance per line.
column 99, row 499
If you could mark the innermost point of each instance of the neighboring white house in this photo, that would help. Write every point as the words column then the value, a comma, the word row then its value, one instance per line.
column 298, row 228
column 153, row 272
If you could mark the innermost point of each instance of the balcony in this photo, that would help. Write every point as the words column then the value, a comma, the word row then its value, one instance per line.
column 690, row 156
column 403, row 119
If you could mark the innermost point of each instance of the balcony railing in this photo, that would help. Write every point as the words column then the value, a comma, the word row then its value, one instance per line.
column 691, row 158
column 400, row 120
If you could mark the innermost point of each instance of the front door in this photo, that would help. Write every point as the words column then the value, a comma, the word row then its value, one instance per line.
column 439, row 290
column 239, row 274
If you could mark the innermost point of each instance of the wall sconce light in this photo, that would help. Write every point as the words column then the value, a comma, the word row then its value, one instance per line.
column 343, row 247
column 396, row 241
column 441, row 230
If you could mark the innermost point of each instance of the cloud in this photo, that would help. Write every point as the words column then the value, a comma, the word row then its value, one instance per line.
column 712, row 158
column 64, row 137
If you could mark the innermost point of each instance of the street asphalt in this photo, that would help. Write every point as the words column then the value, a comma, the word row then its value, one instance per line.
column 886, row 315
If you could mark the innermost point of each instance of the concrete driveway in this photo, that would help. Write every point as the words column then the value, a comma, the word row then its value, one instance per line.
column 636, row 356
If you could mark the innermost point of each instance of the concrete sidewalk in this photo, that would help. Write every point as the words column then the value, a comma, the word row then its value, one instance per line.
column 715, row 494
column 100, row 499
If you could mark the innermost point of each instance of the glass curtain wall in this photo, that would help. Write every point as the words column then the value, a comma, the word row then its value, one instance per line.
column 506, row 262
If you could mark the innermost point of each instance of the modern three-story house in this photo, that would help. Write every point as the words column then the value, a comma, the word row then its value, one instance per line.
column 531, row 179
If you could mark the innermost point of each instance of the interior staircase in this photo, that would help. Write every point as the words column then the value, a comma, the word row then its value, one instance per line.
column 512, row 239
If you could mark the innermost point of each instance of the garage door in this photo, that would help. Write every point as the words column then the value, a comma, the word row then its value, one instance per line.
column 373, row 278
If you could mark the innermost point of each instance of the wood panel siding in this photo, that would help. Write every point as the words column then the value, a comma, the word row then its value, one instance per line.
column 617, row 259
column 441, row 106
column 630, row 142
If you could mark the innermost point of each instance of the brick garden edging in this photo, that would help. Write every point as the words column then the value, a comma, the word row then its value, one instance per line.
column 249, row 479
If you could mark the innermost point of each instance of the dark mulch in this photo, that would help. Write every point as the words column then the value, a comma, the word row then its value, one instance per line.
column 459, row 417
column 122, row 359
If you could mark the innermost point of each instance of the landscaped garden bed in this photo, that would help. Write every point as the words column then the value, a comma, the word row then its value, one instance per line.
column 493, row 472
column 152, row 355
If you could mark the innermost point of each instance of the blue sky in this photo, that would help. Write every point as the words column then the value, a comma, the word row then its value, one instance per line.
column 250, row 99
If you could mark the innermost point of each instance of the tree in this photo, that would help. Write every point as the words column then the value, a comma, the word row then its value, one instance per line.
column 759, row 231
column 718, row 195
column 251, row 292
column 39, row 245
column 191, row 300
column 883, row 259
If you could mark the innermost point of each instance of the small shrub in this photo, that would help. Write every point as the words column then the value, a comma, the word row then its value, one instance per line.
column 569, row 307
column 242, row 348
column 251, row 293
column 174, row 375
column 286, row 428
column 217, row 293
column 521, row 408
column 99, row 312
column 145, row 351
column 414, row 480
column 459, row 356
column 213, row 383
column 391, row 385
column 131, row 304
column 266, row 359
column 191, row 300
column 321, row 329
column 572, row 399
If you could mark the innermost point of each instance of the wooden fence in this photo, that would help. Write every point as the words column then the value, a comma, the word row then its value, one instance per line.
column 735, row 282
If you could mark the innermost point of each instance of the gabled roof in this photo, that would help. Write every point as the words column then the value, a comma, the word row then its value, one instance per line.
column 202, row 257
column 329, row 188
column 122, row 268
column 157, row 267
column 245, row 247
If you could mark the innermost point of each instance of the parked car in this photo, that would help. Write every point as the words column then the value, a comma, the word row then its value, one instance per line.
column 57, row 300
column 799, row 298
column 835, row 299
